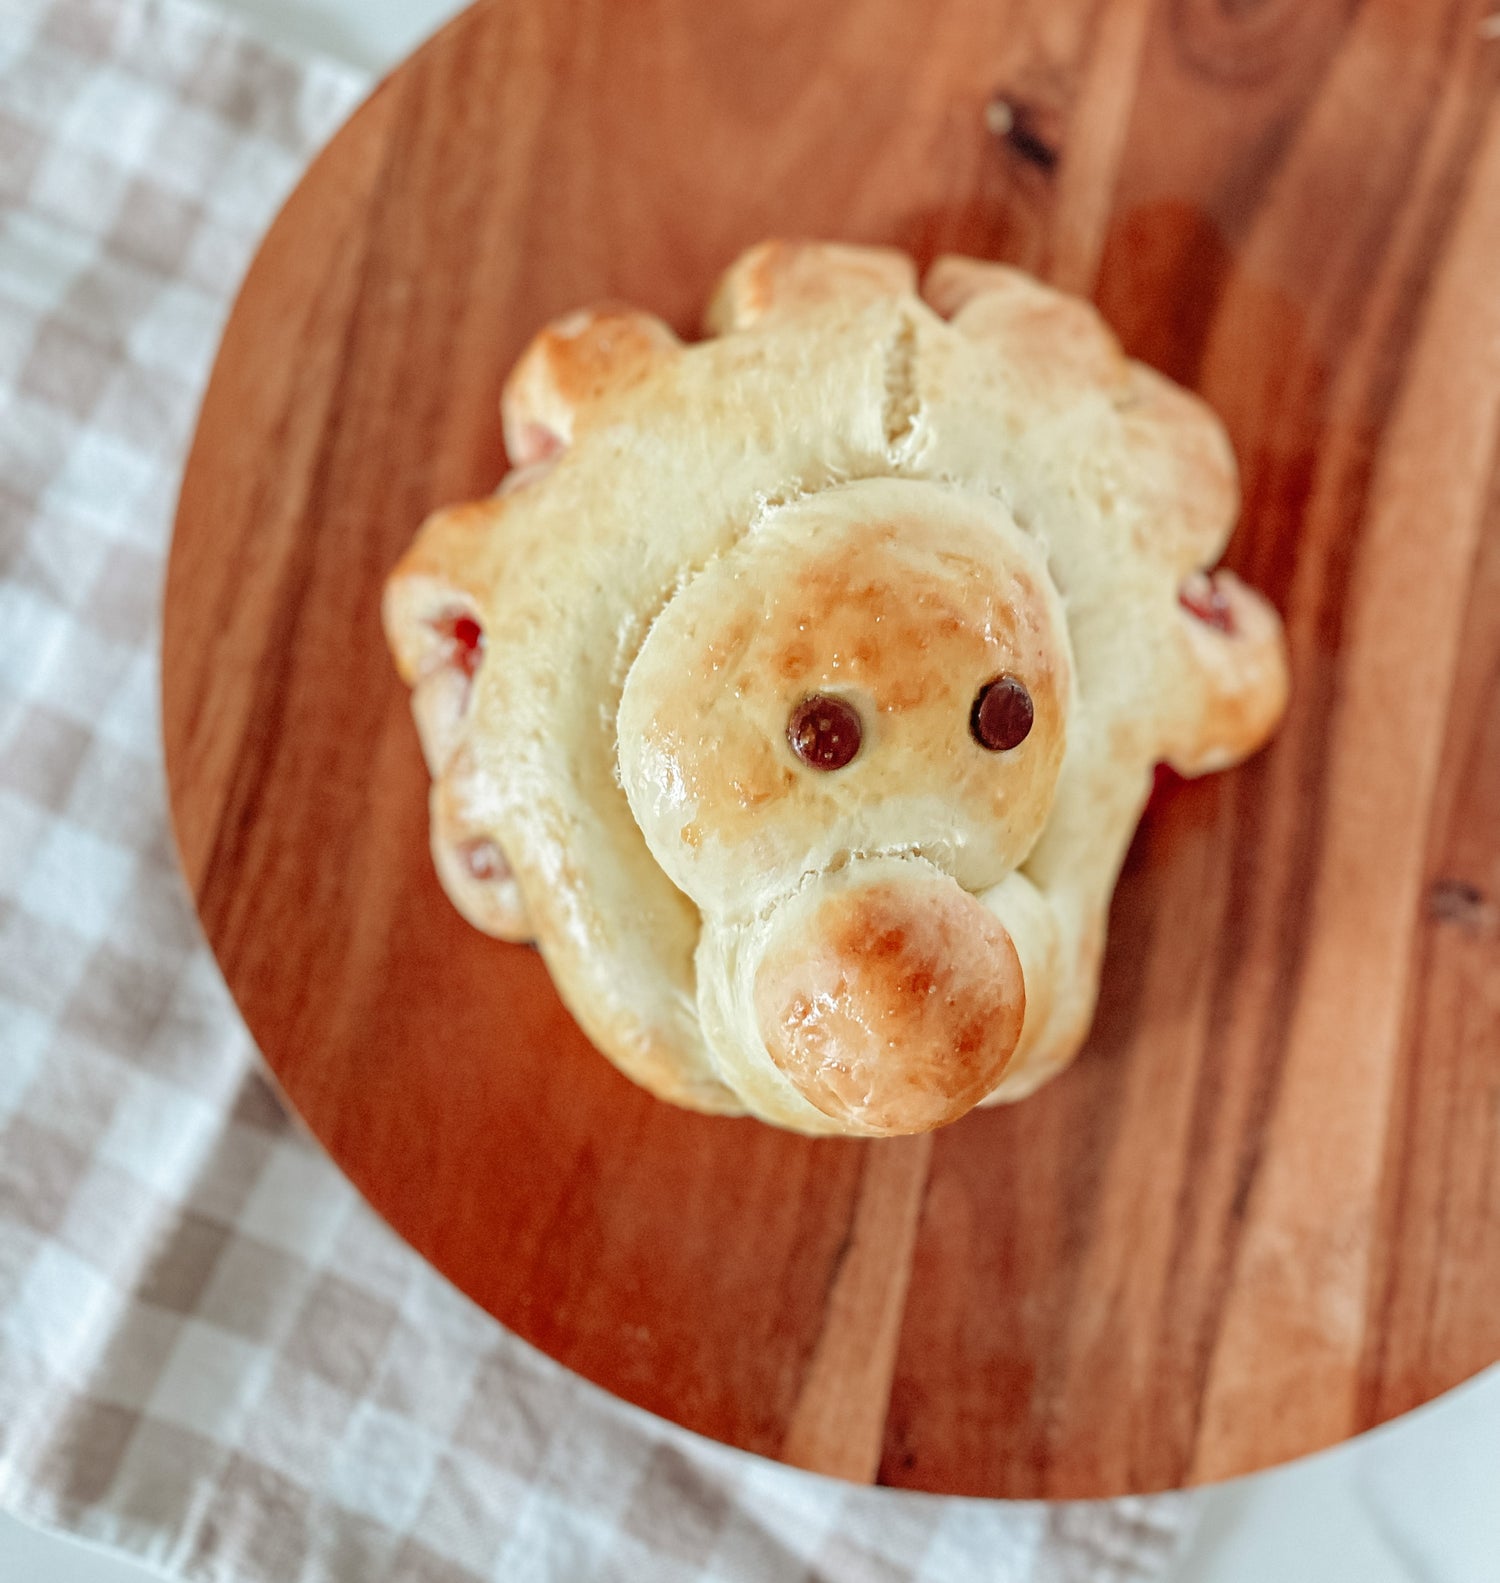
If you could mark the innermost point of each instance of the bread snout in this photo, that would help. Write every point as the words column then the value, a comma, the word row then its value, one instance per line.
column 891, row 1002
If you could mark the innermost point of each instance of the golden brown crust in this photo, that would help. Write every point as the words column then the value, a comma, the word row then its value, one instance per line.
column 786, row 277
column 893, row 1007
column 1061, row 342
column 567, row 368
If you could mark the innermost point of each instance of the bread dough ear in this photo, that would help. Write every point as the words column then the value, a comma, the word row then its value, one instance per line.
column 445, row 571
column 1234, row 674
column 570, row 366
column 1060, row 345
column 436, row 606
column 785, row 277
column 1187, row 479
column 470, row 862
column 433, row 611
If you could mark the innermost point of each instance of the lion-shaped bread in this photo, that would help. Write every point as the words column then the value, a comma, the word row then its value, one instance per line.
column 799, row 692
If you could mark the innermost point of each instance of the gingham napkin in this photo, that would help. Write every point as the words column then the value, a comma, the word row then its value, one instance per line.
column 212, row 1354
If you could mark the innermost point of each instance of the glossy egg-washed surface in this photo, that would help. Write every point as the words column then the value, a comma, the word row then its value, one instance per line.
column 895, row 1006
column 901, row 602
column 1258, row 1213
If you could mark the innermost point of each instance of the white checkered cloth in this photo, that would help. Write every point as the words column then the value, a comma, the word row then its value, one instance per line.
column 212, row 1354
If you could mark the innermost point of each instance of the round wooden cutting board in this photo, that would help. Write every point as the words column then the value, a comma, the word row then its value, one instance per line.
column 1262, row 1212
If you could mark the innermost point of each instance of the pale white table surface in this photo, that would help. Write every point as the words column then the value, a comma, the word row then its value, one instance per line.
column 1415, row 1502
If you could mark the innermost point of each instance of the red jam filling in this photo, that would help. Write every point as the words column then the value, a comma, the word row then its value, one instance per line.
column 538, row 444
column 463, row 640
column 483, row 859
column 1200, row 596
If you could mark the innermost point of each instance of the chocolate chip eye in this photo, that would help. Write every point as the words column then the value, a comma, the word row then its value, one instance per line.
column 1002, row 715
column 824, row 732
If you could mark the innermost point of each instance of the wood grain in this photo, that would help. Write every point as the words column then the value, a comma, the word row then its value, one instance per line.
column 1263, row 1210
column 838, row 1423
